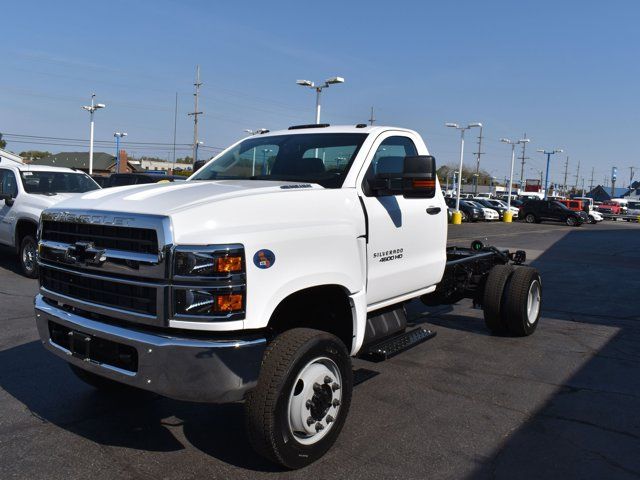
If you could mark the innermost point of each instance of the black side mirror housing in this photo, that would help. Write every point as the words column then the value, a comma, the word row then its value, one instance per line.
column 417, row 179
column 8, row 199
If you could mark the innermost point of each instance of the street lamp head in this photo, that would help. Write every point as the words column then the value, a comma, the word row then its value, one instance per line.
column 333, row 80
column 559, row 151
column 540, row 150
column 86, row 107
column 524, row 140
column 477, row 124
column 452, row 125
column 305, row 83
column 505, row 140
column 99, row 105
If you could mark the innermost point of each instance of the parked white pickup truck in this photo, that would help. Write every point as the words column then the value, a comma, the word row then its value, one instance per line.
column 258, row 278
column 25, row 191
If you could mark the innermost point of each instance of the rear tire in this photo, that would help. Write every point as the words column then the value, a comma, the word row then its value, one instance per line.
column 492, row 304
column 523, row 301
column 28, row 255
column 296, row 412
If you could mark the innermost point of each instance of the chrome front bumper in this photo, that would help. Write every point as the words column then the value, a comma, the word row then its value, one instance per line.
column 202, row 370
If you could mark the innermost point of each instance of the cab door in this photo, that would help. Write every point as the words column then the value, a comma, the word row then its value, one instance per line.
column 7, row 185
column 406, row 249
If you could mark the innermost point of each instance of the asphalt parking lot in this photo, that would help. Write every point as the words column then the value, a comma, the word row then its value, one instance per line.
column 562, row 403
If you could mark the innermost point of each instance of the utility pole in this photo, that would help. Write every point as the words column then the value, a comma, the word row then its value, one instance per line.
column 522, row 159
column 195, row 113
column 577, row 176
column 175, row 127
column 478, row 153
column 631, row 175
column 372, row 118
column 606, row 181
column 591, row 184
column 566, row 171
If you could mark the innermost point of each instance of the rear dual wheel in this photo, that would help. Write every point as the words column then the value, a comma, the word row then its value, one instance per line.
column 512, row 300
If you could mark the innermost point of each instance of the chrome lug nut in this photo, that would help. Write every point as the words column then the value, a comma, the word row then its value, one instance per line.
column 329, row 419
column 308, row 404
column 319, row 426
column 327, row 379
column 310, row 421
column 317, row 387
column 336, row 402
column 335, row 387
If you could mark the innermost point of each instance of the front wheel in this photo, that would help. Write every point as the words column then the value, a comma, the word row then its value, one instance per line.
column 530, row 218
column 592, row 220
column 29, row 256
column 571, row 221
column 297, row 410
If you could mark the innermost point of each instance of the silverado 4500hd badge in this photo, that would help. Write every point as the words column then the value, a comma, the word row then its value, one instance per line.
column 388, row 255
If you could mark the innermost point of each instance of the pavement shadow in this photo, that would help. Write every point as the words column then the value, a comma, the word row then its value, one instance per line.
column 143, row 421
column 9, row 260
column 590, row 428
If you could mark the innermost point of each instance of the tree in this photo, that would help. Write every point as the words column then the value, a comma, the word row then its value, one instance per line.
column 3, row 143
column 484, row 178
column 32, row 155
column 186, row 159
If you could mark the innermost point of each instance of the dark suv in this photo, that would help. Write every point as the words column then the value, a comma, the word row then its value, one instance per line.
column 535, row 211
column 470, row 213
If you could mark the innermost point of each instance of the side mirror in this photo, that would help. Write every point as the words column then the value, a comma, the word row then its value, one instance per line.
column 8, row 199
column 417, row 178
column 198, row 165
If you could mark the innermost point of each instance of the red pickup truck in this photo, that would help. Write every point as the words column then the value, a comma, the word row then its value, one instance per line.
column 612, row 208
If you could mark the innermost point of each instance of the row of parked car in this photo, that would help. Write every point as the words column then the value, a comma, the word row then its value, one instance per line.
column 573, row 212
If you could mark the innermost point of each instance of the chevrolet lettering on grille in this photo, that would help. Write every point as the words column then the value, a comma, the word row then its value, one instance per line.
column 95, row 219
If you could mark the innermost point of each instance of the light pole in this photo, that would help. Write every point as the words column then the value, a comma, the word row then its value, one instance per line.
column 548, row 153
column 507, row 215
column 457, row 219
column 91, row 109
column 318, row 89
column 118, row 136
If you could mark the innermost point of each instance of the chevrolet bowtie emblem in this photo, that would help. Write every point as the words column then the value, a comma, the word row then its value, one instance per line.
column 85, row 253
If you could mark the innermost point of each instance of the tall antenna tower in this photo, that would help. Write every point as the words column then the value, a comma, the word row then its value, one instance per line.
column 196, row 112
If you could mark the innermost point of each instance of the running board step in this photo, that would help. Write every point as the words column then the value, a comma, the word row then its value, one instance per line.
column 390, row 347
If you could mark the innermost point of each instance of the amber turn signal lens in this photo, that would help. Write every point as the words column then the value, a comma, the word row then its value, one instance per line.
column 229, row 264
column 229, row 303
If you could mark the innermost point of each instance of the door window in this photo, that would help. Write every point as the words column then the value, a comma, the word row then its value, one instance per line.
column 8, row 183
column 389, row 158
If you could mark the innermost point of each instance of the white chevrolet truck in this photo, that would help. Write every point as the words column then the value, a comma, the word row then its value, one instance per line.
column 259, row 278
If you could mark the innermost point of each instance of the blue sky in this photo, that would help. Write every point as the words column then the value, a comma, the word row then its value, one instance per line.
column 564, row 72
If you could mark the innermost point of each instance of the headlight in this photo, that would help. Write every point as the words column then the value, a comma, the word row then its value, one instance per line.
column 208, row 283
column 208, row 261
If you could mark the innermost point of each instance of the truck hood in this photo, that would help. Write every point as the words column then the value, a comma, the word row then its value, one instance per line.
column 46, row 201
column 171, row 198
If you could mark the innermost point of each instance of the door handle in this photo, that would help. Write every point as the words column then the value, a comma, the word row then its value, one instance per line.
column 433, row 210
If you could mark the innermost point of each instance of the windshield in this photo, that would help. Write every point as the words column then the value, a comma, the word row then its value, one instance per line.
column 50, row 183
column 322, row 158
column 561, row 205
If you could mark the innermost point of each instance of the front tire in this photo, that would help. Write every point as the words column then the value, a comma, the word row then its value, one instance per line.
column 530, row 218
column 571, row 221
column 28, row 255
column 297, row 410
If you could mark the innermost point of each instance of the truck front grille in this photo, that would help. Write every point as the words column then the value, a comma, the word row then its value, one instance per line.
column 139, row 240
column 134, row 298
